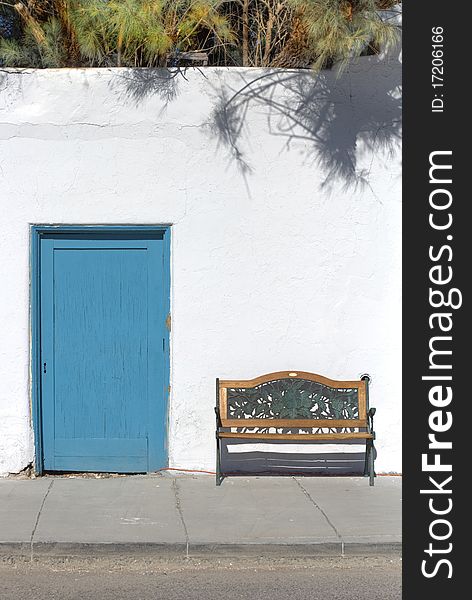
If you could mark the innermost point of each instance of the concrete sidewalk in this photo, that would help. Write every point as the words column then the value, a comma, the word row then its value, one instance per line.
column 188, row 515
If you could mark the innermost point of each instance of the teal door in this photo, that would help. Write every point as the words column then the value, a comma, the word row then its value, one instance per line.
column 103, row 351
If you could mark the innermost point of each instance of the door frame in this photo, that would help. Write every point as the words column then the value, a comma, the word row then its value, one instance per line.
column 36, row 233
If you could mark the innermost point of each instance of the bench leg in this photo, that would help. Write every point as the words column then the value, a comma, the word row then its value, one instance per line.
column 366, row 460
column 371, row 462
column 219, row 476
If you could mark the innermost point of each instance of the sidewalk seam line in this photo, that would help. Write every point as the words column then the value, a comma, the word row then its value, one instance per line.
column 37, row 519
column 333, row 527
column 175, row 487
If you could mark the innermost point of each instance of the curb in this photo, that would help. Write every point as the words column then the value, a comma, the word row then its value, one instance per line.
column 133, row 551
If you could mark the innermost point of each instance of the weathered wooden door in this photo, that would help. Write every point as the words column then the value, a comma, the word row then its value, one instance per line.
column 104, row 373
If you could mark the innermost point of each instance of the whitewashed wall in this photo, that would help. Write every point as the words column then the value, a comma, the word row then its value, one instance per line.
column 285, row 235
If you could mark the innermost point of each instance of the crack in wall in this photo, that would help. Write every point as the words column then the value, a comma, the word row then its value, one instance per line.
column 90, row 131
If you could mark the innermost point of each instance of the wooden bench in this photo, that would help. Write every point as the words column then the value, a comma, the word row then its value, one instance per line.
column 271, row 407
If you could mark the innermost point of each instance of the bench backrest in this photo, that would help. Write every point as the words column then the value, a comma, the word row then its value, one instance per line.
column 292, row 399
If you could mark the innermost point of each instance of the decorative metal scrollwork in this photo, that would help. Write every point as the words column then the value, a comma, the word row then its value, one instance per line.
column 293, row 399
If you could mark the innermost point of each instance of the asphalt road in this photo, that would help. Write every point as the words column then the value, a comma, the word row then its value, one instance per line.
column 304, row 579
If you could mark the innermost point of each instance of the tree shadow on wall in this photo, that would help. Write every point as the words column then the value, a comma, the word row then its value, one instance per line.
column 139, row 84
column 340, row 124
column 337, row 121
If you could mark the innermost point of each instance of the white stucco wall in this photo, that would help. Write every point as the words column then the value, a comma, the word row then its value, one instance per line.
column 287, row 257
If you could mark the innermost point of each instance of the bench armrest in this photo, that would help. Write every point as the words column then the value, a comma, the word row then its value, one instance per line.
column 218, row 418
column 370, row 415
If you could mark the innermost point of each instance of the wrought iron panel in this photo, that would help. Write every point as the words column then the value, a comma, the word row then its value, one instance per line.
column 292, row 399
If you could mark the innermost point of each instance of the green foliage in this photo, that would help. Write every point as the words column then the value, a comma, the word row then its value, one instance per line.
column 52, row 50
column 122, row 33
column 33, row 50
column 338, row 30
column 15, row 54
column 113, row 32
column 58, row 33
